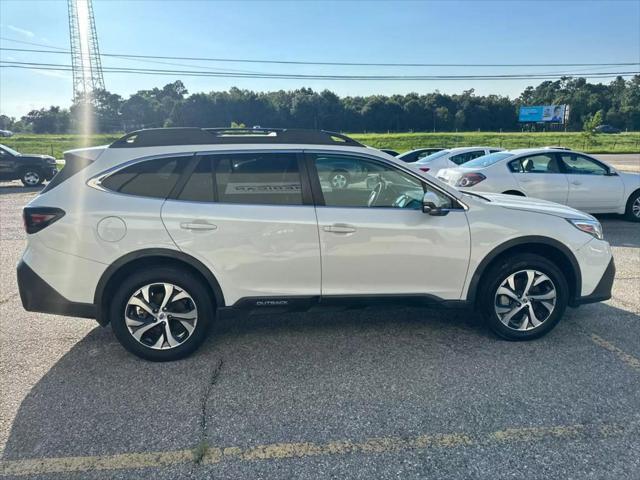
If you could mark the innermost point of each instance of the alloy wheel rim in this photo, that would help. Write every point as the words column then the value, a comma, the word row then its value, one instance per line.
column 31, row 178
column 339, row 181
column 161, row 316
column 525, row 300
column 635, row 208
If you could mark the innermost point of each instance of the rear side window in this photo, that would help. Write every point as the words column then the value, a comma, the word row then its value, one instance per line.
column 151, row 178
column 258, row 178
column 466, row 157
column 199, row 186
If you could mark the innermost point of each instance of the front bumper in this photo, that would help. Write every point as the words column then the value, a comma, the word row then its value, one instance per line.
column 50, row 172
column 38, row 296
column 602, row 291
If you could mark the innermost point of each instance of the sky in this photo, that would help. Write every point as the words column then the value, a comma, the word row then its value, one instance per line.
column 508, row 31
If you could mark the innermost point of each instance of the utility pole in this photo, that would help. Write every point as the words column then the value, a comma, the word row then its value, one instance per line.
column 85, row 54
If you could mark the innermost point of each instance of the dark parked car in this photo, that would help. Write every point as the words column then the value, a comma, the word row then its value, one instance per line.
column 415, row 155
column 607, row 129
column 32, row 170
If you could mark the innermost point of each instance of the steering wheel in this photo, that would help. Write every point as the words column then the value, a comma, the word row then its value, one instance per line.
column 380, row 187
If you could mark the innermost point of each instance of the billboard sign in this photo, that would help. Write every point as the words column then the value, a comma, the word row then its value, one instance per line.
column 543, row 113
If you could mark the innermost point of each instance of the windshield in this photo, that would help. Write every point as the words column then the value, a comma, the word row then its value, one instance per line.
column 487, row 160
column 433, row 156
column 9, row 150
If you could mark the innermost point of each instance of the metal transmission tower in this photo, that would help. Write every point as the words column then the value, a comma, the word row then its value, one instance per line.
column 85, row 55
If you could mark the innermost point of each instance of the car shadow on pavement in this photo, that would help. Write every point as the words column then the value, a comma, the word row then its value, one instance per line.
column 283, row 376
column 99, row 399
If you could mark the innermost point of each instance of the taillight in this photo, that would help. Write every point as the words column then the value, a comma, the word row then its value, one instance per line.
column 470, row 179
column 424, row 169
column 37, row 218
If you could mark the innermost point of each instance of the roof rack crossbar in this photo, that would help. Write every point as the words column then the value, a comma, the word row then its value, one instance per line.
column 155, row 137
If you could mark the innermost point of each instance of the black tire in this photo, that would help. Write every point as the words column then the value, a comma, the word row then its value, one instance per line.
column 629, row 212
column 499, row 272
column 343, row 176
column 31, row 177
column 175, row 276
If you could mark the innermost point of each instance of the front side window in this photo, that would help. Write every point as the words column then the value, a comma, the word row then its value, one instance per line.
column 466, row 157
column 541, row 163
column 149, row 178
column 258, row 178
column 581, row 165
column 354, row 182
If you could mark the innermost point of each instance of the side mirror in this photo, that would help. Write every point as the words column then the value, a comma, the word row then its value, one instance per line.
column 432, row 204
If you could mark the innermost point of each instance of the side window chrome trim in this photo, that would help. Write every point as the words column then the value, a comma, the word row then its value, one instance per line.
column 402, row 168
column 96, row 180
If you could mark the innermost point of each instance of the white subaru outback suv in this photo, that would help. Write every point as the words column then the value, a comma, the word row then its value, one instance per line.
column 164, row 228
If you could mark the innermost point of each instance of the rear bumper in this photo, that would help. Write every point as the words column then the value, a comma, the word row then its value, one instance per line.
column 38, row 296
column 602, row 291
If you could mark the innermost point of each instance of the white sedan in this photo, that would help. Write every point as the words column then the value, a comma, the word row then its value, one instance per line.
column 566, row 177
column 450, row 157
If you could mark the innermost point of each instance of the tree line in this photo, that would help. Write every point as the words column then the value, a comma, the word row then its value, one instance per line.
column 617, row 103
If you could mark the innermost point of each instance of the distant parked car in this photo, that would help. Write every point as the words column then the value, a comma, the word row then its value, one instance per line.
column 340, row 172
column 417, row 154
column 32, row 170
column 561, row 176
column 607, row 129
column 450, row 157
column 6, row 133
column 393, row 153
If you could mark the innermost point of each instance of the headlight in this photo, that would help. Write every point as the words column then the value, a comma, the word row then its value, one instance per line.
column 592, row 227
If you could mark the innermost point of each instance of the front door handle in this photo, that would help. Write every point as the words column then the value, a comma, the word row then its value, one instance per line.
column 198, row 226
column 339, row 228
column 576, row 182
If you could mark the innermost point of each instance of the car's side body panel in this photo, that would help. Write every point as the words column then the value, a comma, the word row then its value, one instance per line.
column 253, row 250
column 393, row 251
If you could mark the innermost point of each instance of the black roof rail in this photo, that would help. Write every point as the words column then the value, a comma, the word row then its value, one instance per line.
column 160, row 137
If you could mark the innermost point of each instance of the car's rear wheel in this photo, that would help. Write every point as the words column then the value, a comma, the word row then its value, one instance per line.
column 524, row 297
column 161, row 314
column 31, row 177
column 632, row 212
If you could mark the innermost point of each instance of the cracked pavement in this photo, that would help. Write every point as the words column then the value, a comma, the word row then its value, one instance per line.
column 375, row 393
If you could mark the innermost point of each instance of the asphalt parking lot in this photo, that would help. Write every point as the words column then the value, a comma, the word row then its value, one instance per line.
column 410, row 393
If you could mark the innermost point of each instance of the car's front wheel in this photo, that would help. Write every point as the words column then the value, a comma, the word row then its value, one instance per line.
column 524, row 296
column 161, row 314
column 632, row 212
column 31, row 177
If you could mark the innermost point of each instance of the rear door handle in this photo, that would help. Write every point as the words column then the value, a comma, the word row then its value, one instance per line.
column 525, row 180
column 198, row 226
column 576, row 182
column 339, row 228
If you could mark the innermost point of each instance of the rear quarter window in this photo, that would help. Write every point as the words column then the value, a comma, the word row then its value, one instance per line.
column 150, row 178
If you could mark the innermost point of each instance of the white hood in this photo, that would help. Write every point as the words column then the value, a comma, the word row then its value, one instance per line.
column 530, row 204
